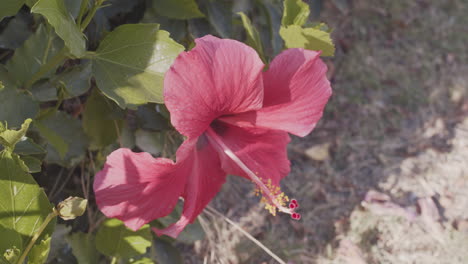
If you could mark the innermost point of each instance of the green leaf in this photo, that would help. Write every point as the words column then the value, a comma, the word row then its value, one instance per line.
column 9, row 138
column 296, row 12
column 16, row 107
column 308, row 38
column 167, row 253
column 220, row 16
column 11, row 245
column 23, row 204
column 99, row 120
column 253, row 38
column 143, row 261
column 75, row 81
column 83, row 247
column 149, row 118
column 191, row 233
column 151, row 142
column 36, row 51
column 10, row 7
column 33, row 164
column 114, row 239
column 40, row 252
column 180, row 9
column 130, row 63
column 11, row 255
column 57, row 15
column 28, row 147
column 67, row 141
column 16, row 32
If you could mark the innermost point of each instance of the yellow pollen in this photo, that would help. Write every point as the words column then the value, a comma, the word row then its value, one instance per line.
column 279, row 197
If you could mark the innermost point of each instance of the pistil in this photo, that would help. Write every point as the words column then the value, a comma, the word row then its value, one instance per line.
column 276, row 199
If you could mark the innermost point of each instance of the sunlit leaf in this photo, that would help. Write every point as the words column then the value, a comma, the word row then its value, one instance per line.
column 308, row 38
column 58, row 16
column 114, row 239
column 180, row 9
column 11, row 244
column 130, row 63
column 23, row 204
column 9, row 138
column 296, row 12
column 40, row 252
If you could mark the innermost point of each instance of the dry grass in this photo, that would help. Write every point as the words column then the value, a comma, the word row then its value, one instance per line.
column 397, row 124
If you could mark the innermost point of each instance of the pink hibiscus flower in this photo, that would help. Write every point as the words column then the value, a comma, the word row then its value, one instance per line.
column 236, row 118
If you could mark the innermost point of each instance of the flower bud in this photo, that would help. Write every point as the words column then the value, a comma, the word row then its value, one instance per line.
column 71, row 208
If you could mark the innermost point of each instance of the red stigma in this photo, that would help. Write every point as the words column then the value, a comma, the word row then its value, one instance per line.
column 296, row 216
column 292, row 206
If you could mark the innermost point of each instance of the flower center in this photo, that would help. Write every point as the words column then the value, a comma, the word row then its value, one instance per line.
column 272, row 195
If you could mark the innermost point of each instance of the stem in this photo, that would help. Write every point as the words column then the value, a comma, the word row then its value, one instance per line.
column 114, row 260
column 51, row 216
column 50, row 65
column 83, row 7
column 91, row 14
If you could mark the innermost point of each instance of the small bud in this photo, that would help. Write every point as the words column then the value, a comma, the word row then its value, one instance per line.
column 12, row 255
column 71, row 208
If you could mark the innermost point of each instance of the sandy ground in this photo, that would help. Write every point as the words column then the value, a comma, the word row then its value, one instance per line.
column 384, row 178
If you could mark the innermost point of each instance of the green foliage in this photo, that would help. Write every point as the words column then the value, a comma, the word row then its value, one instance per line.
column 100, row 121
column 253, row 38
column 130, row 63
column 57, row 15
column 167, row 253
column 10, row 7
column 83, row 246
column 35, row 52
column 40, row 252
column 67, row 141
column 9, row 138
column 24, row 205
column 115, row 240
column 296, row 12
column 11, row 245
column 179, row 9
column 308, row 38
column 74, row 82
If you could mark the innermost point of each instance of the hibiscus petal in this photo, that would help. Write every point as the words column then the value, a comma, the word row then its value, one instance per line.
column 217, row 77
column 200, row 162
column 137, row 188
column 263, row 151
column 296, row 91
